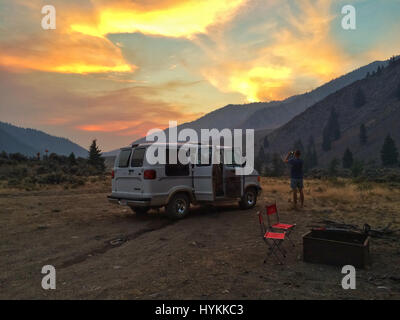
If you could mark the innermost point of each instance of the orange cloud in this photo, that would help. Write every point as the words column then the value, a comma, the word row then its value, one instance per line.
column 72, row 53
column 309, row 48
column 79, row 44
column 134, row 127
column 115, row 117
column 256, row 83
column 135, row 115
column 121, row 128
column 300, row 48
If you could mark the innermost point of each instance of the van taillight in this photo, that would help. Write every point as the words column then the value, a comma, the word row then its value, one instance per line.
column 112, row 174
column 149, row 174
column 259, row 179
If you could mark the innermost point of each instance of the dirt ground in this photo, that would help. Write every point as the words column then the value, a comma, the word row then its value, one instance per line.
column 104, row 251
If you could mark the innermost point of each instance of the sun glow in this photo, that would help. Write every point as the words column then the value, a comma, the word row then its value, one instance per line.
column 184, row 19
column 254, row 82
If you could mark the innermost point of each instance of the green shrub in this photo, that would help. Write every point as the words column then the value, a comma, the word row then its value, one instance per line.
column 336, row 183
column 13, row 182
column 52, row 178
column 364, row 186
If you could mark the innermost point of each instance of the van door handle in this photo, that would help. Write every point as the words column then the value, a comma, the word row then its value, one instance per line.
column 131, row 170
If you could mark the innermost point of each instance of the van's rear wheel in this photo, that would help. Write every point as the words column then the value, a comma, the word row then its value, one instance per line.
column 249, row 199
column 140, row 211
column 178, row 206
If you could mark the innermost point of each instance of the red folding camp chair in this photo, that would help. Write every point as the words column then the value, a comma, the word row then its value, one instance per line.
column 273, row 240
column 288, row 228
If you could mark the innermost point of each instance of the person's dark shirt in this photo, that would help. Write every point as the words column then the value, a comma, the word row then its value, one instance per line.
column 296, row 171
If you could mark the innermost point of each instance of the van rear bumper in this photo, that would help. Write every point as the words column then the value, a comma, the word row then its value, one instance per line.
column 130, row 202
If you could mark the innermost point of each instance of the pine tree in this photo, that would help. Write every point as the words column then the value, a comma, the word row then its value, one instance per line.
column 363, row 135
column 333, row 167
column 260, row 160
column 331, row 131
column 310, row 158
column 389, row 153
column 314, row 158
column 278, row 167
column 359, row 98
column 347, row 160
column 326, row 140
column 357, row 168
column 298, row 145
column 72, row 159
column 95, row 158
column 335, row 125
column 266, row 142
column 313, row 149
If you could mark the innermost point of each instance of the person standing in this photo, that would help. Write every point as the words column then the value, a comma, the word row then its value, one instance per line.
column 296, row 175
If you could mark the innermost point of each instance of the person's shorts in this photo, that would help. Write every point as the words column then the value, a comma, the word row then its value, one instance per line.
column 296, row 183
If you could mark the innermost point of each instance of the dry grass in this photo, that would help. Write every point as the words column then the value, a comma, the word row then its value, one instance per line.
column 375, row 204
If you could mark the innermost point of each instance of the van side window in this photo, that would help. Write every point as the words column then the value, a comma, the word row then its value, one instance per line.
column 177, row 169
column 137, row 157
column 204, row 156
column 231, row 158
column 123, row 159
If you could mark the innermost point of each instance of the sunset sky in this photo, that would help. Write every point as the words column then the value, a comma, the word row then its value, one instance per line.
column 112, row 70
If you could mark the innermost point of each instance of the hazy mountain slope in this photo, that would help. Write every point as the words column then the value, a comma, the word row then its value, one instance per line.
column 230, row 116
column 37, row 141
column 271, row 118
column 12, row 145
column 380, row 114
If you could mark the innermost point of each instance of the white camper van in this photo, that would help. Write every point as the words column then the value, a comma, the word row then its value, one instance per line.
column 142, row 186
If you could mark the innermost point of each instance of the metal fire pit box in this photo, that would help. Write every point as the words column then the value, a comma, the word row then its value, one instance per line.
column 337, row 248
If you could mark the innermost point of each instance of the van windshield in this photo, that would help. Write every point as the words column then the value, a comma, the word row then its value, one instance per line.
column 137, row 157
column 123, row 159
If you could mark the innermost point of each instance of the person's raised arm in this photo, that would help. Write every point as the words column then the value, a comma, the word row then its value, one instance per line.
column 287, row 157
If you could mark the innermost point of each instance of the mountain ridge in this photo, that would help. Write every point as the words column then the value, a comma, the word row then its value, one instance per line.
column 380, row 114
column 271, row 115
column 30, row 141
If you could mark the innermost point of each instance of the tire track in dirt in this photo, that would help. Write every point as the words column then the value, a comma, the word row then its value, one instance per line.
column 114, row 243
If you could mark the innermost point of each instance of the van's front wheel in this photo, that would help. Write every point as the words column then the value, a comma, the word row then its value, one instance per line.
column 178, row 206
column 249, row 199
